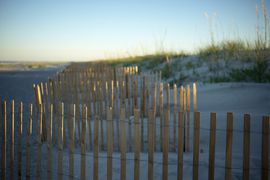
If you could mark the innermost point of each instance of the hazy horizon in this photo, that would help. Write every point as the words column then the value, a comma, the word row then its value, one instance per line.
column 86, row 30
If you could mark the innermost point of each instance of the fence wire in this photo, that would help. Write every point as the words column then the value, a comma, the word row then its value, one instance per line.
column 55, row 171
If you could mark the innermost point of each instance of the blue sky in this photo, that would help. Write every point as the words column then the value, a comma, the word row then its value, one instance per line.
column 87, row 30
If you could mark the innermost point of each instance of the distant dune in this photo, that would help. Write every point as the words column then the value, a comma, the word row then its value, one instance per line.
column 26, row 66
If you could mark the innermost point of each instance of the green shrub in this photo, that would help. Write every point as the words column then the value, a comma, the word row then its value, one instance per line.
column 190, row 65
column 258, row 73
column 209, row 51
column 217, row 79
column 166, row 71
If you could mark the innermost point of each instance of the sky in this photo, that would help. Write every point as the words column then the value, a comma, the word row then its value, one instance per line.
column 75, row 30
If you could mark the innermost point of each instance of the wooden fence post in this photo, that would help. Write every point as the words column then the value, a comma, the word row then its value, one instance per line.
column 137, row 144
column 181, row 100
column 229, row 140
column 60, row 142
column 144, row 96
column 185, row 113
column 123, row 143
column 161, row 114
column 83, row 142
column 143, row 105
column 212, row 148
column 78, row 114
column 105, row 92
column 96, row 147
column 165, row 145
column 180, row 146
column 44, row 127
column 71, row 130
column 129, row 110
column 28, row 142
column 112, row 95
column 109, row 143
column 194, row 97
column 39, row 139
column 12, row 140
column 49, row 144
column 89, row 115
column 182, row 108
column 151, row 144
column 196, row 145
column 188, row 118
column 174, row 115
column 168, row 97
column 89, row 126
column 155, row 110
column 246, row 146
column 47, row 96
column 4, row 138
column 155, row 97
column 265, row 145
column 117, row 113
column 20, row 121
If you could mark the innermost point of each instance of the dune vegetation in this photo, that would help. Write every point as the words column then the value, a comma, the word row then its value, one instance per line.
column 229, row 60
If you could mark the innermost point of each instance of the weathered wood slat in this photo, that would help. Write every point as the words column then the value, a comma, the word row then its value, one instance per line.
column 265, row 145
column 180, row 146
column 123, row 143
column 212, row 147
column 196, row 145
column 151, row 144
column 229, row 139
column 137, row 144
column 109, row 143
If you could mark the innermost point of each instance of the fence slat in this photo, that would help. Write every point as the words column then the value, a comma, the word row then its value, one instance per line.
column 265, row 145
column 83, row 143
column 246, row 146
column 143, row 113
column 212, row 147
column 229, row 138
column 102, row 117
column 123, row 143
column 71, row 130
column 78, row 114
column 188, row 118
column 129, row 88
column 137, row 144
column 155, row 97
column 155, row 110
column 168, row 97
column 117, row 114
column 161, row 113
column 49, row 144
column 28, row 142
column 95, row 148
column 60, row 142
column 4, row 138
column 12, row 140
column 39, row 139
column 109, row 143
column 20, row 123
column 180, row 146
column 194, row 97
column 185, row 121
column 196, row 145
column 90, row 127
column 174, row 115
column 144, row 97
column 151, row 144
column 165, row 145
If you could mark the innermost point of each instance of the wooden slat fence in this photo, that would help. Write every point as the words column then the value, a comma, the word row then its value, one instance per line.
column 93, row 108
column 46, row 168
